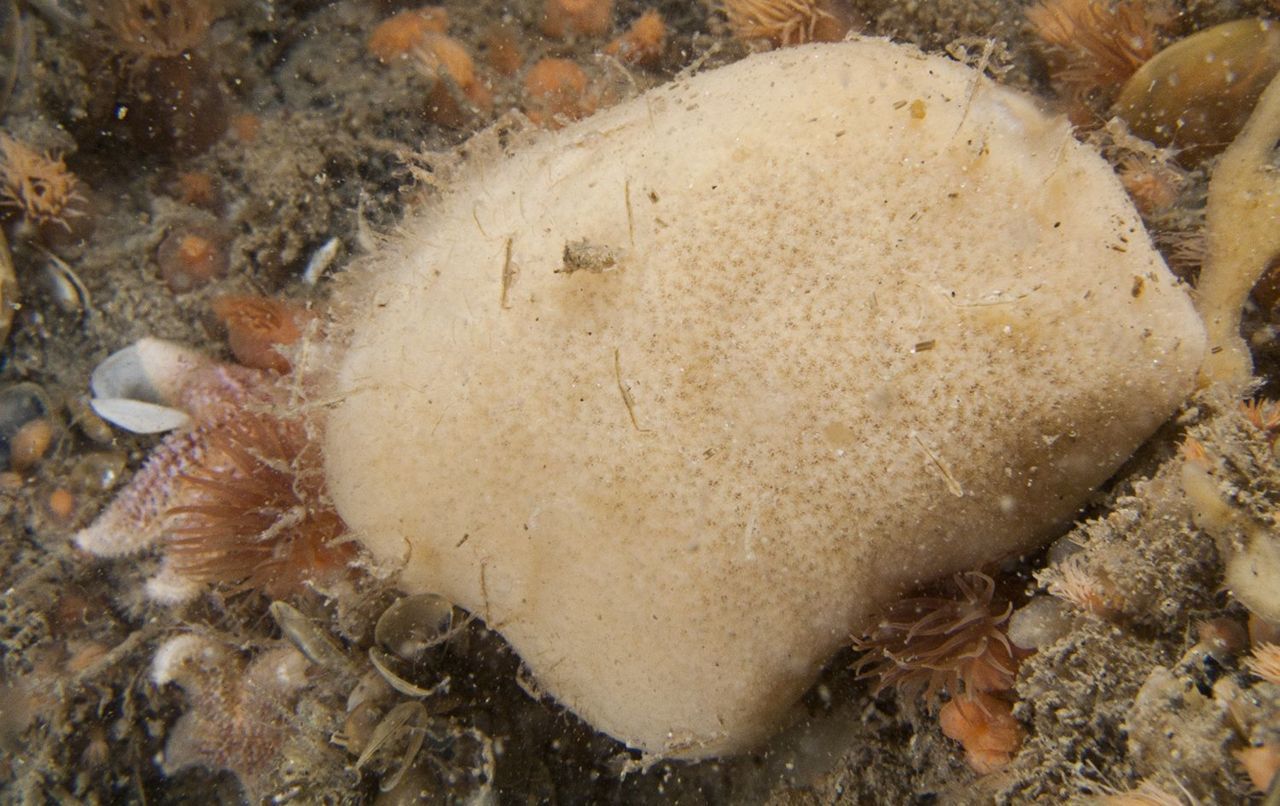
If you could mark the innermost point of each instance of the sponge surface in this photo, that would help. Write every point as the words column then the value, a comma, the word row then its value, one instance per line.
column 679, row 396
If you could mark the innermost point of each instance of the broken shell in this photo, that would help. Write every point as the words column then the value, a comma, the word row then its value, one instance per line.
column 1197, row 93
column 358, row 727
column 321, row 260
column 97, row 472
column 414, row 624
column 385, row 663
column 372, row 689
column 139, row 417
column 406, row 718
column 318, row 646
column 64, row 286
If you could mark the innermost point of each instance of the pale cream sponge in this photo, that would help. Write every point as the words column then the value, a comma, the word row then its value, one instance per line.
column 676, row 398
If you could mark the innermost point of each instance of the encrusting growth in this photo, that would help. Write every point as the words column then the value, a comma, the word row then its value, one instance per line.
column 1243, row 205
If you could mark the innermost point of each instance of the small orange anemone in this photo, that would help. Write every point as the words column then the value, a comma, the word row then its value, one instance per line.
column 1088, row 588
column 1263, row 415
column 557, row 90
column 396, row 37
column 987, row 729
column 564, row 18
column 642, row 43
column 257, row 327
column 458, row 92
column 502, row 50
column 192, row 255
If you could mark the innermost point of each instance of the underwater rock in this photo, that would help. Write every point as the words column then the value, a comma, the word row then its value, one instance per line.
column 676, row 398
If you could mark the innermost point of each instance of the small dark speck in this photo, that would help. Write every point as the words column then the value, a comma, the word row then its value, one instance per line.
column 1136, row 291
column 464, row 539
column 1057, row 224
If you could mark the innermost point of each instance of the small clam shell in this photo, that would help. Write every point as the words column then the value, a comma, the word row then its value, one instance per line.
column 414, row 624
column 64, row 286
column 149, row 370
column 139, row 417
column 20, row 403
column 1197, row 93
column 8, row 289
column 319, row 647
